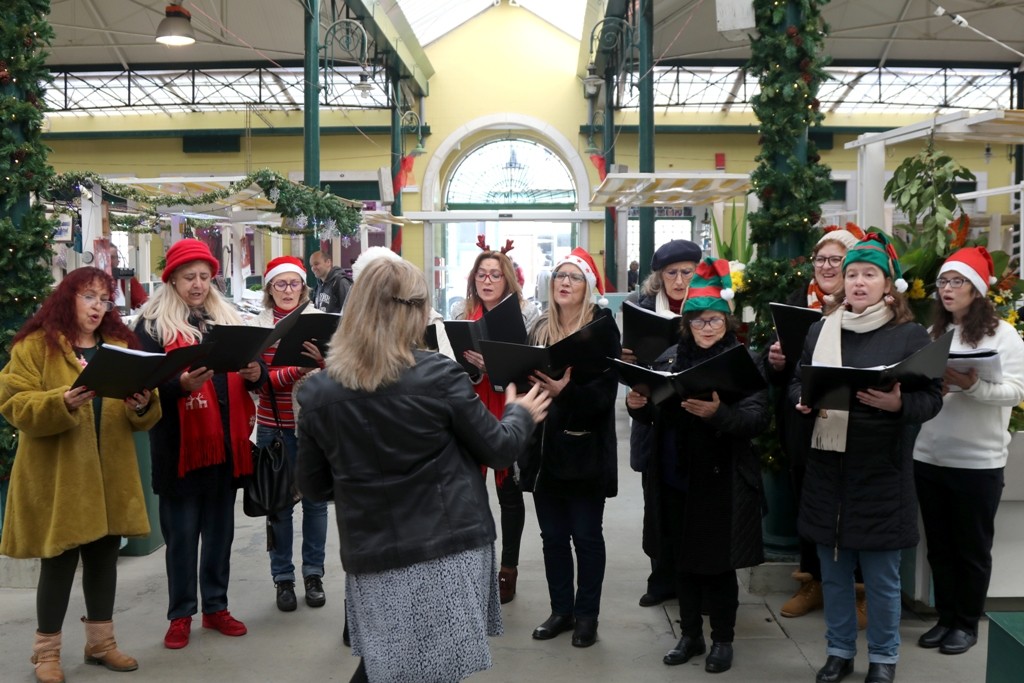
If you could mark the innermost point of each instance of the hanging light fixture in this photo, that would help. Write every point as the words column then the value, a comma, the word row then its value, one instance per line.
column 365, row 85
column 176, row 27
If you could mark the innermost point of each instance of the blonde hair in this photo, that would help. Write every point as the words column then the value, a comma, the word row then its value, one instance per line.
column 550, row 327
column 385, row 316
column 508, row 272
column 165, row 315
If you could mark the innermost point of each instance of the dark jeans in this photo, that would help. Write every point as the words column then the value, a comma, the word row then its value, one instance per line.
column 513, row 519
column 718, row 594
column 208, row 517
column 99, row 581
column 958, row 507
column 579, row 520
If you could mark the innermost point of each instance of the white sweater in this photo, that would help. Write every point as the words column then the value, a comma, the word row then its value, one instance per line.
column 971, row 430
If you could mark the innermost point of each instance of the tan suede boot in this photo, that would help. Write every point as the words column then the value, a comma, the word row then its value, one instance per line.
column 806, row 599
column 46, row 657
column 101, row 648
column 862, row 607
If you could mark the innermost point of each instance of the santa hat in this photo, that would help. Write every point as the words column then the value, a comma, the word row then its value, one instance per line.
column 847, row 236
column 877, row 250
column 186, row 251
column 372, row 254
column 283, row 264
column 711, row 287
column 975, row 264
column 585, row 262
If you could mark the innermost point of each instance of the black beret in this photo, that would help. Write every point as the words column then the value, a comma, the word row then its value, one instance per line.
column 675, row 251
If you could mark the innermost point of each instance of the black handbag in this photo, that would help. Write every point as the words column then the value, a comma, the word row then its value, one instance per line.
column 271, row 486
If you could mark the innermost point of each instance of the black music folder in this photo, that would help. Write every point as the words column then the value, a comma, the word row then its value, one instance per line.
column 647, row 333
column 584, row 349
column 732, row 373
column 835, row 388
column 235, row 346
column 116, row 372
column 315, row 327
column 503, row 323
column 792, row 324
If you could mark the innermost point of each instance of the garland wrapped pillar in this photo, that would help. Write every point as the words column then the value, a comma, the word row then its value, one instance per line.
column 25, row 232
column 791, row 184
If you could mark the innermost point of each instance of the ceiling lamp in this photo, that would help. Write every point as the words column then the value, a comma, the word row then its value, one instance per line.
column 365, row 85
column 176, row 27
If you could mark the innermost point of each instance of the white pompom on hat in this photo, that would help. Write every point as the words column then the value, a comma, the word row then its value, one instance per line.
column 975, row 264
column 370, row 255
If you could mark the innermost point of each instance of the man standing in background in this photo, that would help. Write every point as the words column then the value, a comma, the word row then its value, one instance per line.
column 332, row 287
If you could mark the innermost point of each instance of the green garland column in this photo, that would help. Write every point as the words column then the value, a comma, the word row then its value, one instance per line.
column 25, row 232
column 791, row 184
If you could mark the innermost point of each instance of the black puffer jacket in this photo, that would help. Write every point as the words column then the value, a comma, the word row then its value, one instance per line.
column 403, row 462
column 722, row 525
column 864, row 499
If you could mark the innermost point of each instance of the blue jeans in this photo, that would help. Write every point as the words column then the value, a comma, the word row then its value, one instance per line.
column 881, row 570
column 314, row 523
column 578, row 519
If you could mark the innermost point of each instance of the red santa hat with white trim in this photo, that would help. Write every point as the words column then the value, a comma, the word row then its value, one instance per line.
column 975, row 264
column 283, row 264
column 585, row 262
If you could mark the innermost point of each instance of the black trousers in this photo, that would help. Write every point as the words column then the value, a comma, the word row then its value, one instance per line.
column 99, row 581
column 513, row 519
column 958, row 507
column 661, row 581
column 809, row 562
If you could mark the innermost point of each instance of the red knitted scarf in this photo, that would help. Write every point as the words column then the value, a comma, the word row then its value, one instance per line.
column 815, row 296
column 202, row 432
column 494, row 401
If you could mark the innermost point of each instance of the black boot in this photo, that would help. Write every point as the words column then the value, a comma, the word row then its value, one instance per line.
column 344, row 633
column 835, row 670
column 686, row 648
column 585, row 633
column 881, row 673
column 719, row 659
column 554, row 625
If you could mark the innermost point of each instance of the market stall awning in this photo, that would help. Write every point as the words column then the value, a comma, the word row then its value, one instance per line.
column 668, row 189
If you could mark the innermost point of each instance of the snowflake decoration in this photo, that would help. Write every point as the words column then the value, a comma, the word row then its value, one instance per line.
column 346, row 241
column 301, row 221
column 274, row 194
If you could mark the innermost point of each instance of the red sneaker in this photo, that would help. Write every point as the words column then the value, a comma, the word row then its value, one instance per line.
column 225, row 623
column 177, row 634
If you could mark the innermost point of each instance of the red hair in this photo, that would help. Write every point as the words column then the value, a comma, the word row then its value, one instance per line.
column 58, row 316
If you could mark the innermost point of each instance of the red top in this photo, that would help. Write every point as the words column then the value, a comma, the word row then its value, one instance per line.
column 282, row 378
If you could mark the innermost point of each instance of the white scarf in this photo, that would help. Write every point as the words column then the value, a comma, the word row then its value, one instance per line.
column 830, row 426
column 661, row 303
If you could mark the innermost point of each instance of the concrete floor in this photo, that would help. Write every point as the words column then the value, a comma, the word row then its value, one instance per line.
column 305, row 645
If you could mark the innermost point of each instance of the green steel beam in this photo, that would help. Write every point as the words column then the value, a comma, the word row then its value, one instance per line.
column 645, row 20
column 611, row 268
column 290, row 131
column 396, row 37
column 311, row 113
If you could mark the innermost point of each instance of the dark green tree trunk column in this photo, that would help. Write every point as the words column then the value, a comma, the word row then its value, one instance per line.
column 311, row 117
column 611, row 268
column 646, row 48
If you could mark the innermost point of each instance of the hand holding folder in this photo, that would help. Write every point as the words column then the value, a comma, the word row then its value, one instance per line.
column 235, row 346
column 791, row 325
column 646, row 333
column 116, row 372
column 732, row 373
column 311, row 327
column 503, row 323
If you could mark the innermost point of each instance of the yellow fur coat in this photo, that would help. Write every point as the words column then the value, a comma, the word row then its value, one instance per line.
column 65, row 491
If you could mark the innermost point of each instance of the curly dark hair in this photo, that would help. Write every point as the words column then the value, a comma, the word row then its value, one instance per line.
column 980, row 320
column 58, row 317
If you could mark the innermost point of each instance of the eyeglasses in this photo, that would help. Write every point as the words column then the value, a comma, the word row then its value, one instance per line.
column 677, row 272
column 493, row 276
column 281, row 285
column 715, row 323
column 834, row 261
column 92, row 300
column 954, row 282
column 575, row 277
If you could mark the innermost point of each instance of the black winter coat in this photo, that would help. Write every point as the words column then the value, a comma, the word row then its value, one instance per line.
column 165, row 436
column 330, row 294
column 403, row 462
column 641, row 436
column 574, row 452
column 722, row 525
column 864, row 499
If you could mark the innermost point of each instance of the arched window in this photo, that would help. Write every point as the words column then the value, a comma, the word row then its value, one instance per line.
column 511, row 173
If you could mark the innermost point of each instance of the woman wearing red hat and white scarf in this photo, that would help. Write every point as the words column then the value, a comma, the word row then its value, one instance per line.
column 571, row 469
column 858, row 501
column 200, row 447
column 959, row 457
column 284, row 290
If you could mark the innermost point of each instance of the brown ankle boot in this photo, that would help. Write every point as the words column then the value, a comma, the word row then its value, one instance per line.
column 101, row 648
column 806, row 599
column 507, row 583
column 46, row 657
column 862, row 607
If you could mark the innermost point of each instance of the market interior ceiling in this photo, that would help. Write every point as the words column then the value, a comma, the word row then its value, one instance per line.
column 118, row 34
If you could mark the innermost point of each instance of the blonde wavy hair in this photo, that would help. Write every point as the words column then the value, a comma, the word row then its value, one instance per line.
column 386, row 314
column 166, row 315
column 551, row 326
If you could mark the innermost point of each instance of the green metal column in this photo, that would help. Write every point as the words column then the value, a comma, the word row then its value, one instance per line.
column 396, row 167
column 646, row 49
column 311, row 114
column 611, row 270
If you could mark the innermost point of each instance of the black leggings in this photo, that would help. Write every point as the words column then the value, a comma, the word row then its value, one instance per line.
column 513, row 519
column 99, row 580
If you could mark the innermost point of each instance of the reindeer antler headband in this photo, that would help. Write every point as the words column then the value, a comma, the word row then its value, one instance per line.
column 486, row 247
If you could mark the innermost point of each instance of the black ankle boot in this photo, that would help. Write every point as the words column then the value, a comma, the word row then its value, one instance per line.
column 686, row 648
column 585, row 633
column 719, row 659
column 835, row 670
column 881, row 673
column 554, row 625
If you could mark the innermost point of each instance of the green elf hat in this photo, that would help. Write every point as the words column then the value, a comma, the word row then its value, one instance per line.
column 877, row 250
column 711, row 287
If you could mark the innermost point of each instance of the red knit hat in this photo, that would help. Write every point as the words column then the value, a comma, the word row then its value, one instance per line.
column 975, row 264
column 187, row 251
column 585, row 262
column 283, row 264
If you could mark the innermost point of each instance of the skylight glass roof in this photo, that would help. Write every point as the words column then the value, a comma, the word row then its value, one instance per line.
column 431, row 19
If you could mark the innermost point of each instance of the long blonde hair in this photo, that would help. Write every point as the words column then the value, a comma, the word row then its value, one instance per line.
column 550, row 327
column 385, row 316
column 165, row 315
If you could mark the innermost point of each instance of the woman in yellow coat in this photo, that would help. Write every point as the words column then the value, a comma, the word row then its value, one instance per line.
column 75, row 487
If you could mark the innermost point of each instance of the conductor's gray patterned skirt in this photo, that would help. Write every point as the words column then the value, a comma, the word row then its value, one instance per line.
column 426, row 623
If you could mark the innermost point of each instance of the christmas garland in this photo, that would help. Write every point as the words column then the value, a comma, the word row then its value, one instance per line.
column 788, row 60
column 25, row 233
